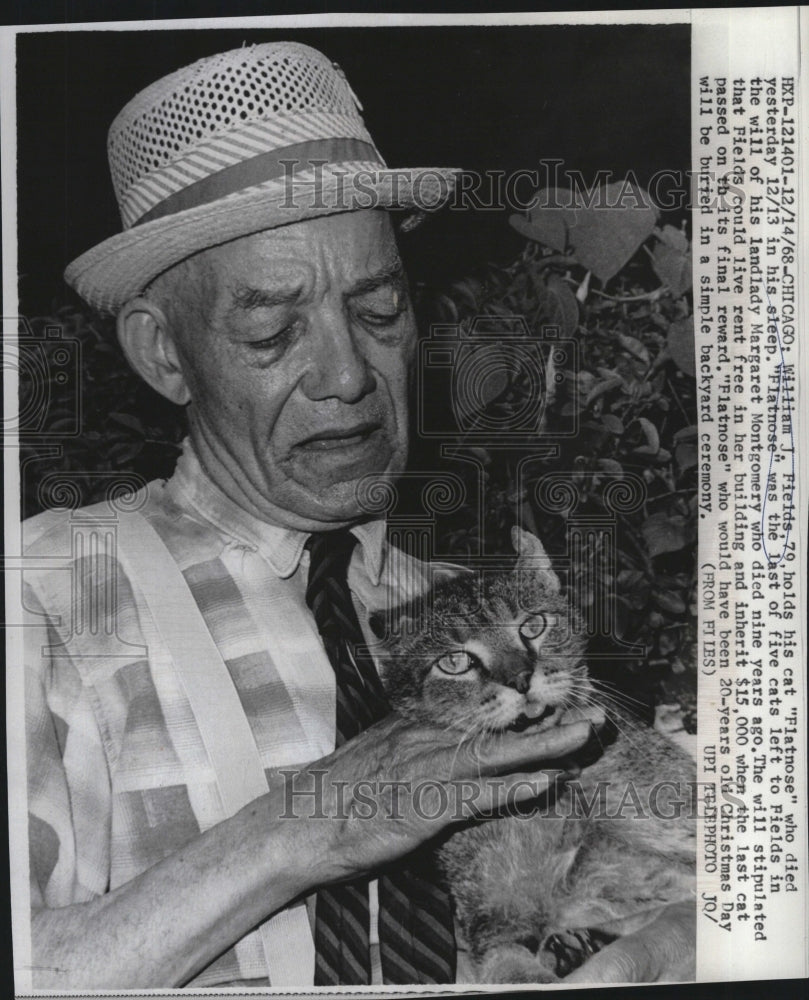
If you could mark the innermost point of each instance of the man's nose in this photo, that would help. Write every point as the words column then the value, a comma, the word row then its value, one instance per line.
column 338, row 367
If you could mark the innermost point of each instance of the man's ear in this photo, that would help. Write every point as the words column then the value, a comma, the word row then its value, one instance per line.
column 144, row 335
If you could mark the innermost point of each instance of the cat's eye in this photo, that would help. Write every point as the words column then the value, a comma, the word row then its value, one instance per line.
column 533, row 626
column 457, row 662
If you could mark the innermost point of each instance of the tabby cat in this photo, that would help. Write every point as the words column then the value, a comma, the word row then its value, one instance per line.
column 535, row 896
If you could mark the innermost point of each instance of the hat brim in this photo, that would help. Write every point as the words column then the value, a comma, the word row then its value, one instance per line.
column 113, row 272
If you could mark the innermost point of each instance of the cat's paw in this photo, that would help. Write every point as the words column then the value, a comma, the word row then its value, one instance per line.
column 514, row 964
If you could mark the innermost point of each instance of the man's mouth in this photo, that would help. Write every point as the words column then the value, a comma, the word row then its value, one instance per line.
column 334, row 438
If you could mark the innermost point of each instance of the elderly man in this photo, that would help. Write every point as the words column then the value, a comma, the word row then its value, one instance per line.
column 189, row 667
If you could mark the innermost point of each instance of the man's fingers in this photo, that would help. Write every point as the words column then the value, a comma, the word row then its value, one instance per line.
column 591, row 713
column 504, row 751
column 621, row 926
column 628, row 960
column 503, row 793
column 663, row 950
column 518, row 751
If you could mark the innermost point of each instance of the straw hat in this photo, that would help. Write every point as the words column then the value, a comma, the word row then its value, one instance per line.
column 236, row 143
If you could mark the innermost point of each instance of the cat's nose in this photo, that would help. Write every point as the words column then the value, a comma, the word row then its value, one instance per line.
column 522, row 681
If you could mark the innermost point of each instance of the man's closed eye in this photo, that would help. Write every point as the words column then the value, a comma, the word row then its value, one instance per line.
column 381, row 308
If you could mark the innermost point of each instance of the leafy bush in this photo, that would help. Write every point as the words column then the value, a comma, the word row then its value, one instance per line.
column 125, row 425
column 617, row 284
column 633, row 392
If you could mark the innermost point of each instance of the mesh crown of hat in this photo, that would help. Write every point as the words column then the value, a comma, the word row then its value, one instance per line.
column 221, row 93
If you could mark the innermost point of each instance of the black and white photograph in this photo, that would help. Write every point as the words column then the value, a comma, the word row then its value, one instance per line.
column 358, row 465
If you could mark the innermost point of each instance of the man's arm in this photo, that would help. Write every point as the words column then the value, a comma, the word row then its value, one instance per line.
column 174, row 919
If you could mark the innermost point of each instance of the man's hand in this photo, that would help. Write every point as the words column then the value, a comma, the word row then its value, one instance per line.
column 175, row 918
column 398, row 784
column 663, row 950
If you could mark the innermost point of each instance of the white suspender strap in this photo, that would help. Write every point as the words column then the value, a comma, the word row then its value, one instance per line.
column 223, row 726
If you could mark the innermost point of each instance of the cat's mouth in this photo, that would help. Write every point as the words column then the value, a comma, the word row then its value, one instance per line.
column 536, row 716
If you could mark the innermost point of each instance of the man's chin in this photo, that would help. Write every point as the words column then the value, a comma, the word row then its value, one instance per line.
column 332, row 481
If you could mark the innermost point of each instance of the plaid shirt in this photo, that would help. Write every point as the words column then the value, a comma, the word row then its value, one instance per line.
column 119, row 777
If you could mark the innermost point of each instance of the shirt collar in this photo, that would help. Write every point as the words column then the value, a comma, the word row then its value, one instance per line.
column 192, row 489
column 372, row 537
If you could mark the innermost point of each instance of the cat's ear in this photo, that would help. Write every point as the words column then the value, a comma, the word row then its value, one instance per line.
column 380, row 621
column 531, row 556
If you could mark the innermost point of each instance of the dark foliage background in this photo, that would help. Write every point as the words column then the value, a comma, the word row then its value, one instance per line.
column 598, row 99
column 483, row 98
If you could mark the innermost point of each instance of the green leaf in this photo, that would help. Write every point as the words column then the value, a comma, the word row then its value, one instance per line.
column 659, row 456
column 603, row 234
column 63, row 424
column 612, row 423
column 686, row 454
column 634, row 347
column 630, row 578
column 669, row 639
column 650, row 433
column 467, row 292
column 125, row 451
column 559, row 306
column 665, row 533
column 447, row 310
column 601, row 387
column 638, row 598
column 611, row 466
column 668, row 601
column 681, row 345
column 672, row 237
column 128, row 420
column 547, row 228
column 671, row 260
column 686, row 434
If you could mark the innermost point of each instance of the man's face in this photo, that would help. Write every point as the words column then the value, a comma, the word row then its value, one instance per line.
column 298, row 379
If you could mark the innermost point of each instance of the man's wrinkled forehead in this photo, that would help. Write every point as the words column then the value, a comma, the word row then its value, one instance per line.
column 349, row 254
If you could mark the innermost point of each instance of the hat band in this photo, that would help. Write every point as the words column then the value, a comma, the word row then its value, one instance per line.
column 263, row 167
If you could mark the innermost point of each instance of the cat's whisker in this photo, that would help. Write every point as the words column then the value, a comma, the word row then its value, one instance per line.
column 483, row 735
column 613, row 706
column 586, row 696
column 626, row 723
column 615, row 699
column 606, row 683
column 469, row 734
column 577, row 701
column 618, row 720
column 631, row 705
column 615, row 692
